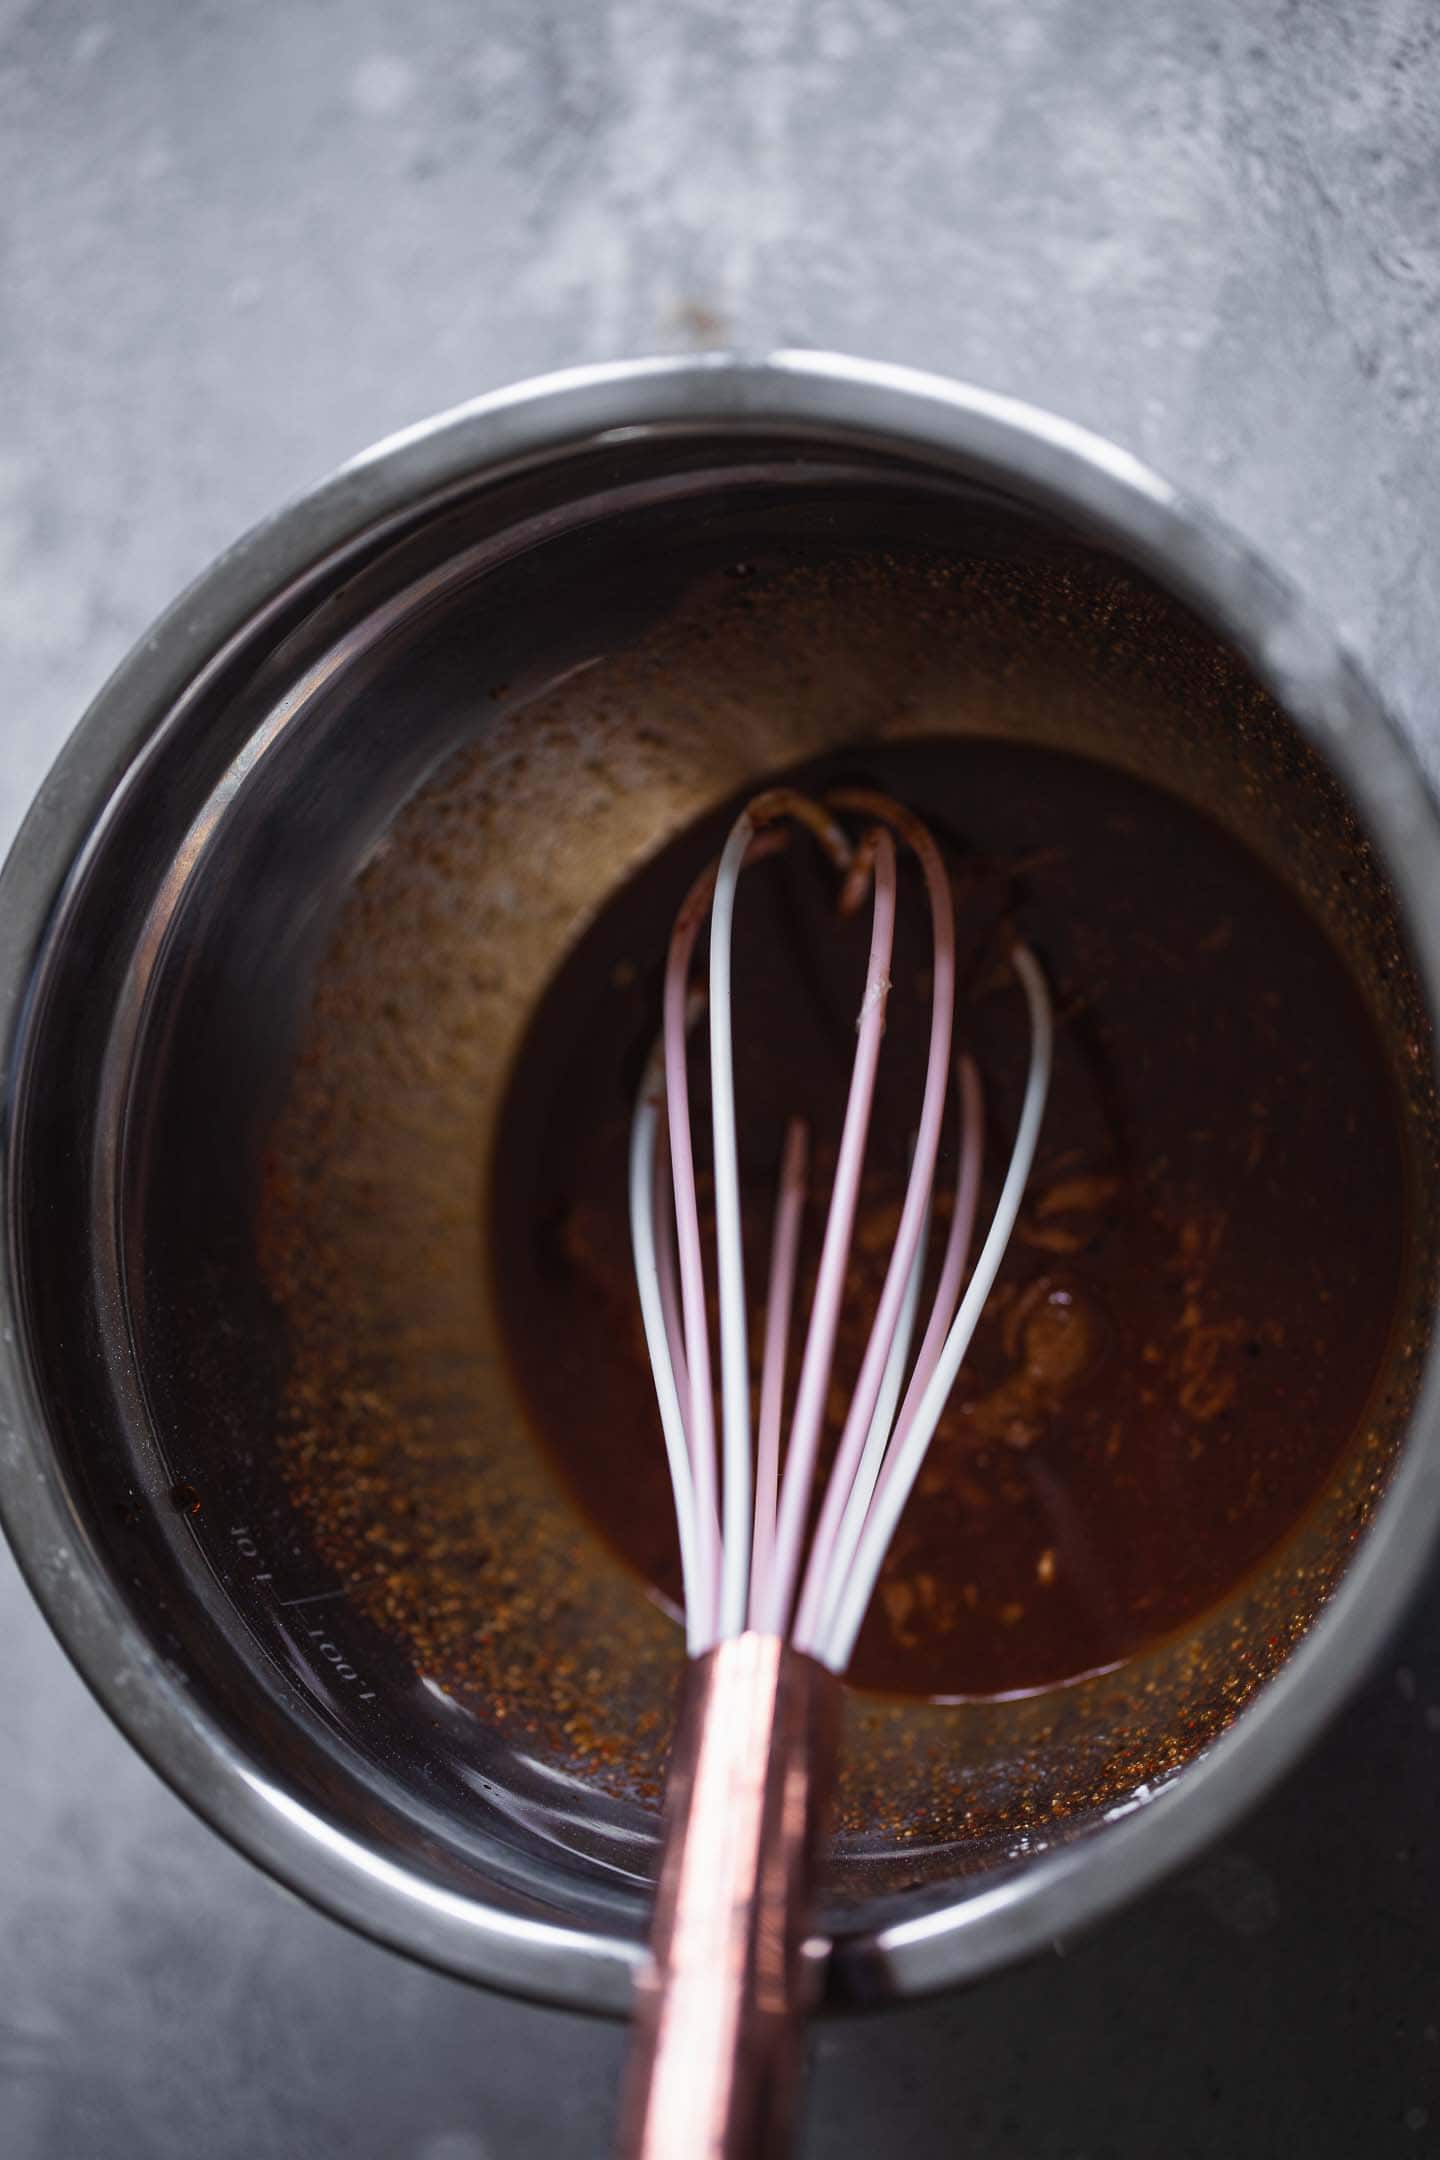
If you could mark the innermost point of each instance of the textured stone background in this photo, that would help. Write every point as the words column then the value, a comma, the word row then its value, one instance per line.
column 240, row 241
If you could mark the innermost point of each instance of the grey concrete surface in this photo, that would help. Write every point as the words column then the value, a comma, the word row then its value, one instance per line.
column 241, row 238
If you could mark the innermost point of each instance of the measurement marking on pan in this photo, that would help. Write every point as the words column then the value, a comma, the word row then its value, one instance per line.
column 329, row 1652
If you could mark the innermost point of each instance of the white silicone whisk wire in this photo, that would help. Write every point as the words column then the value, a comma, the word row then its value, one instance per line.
column 742, row 1522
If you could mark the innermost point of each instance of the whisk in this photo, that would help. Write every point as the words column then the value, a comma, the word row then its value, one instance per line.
column 773, row 1605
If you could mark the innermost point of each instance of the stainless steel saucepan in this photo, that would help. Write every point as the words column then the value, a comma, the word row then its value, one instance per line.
column 162, row 920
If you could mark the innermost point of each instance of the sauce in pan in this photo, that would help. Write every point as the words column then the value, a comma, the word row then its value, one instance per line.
column 1197, row 1299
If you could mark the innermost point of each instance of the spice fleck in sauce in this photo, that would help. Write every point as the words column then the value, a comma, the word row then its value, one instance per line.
column 1196, row 1301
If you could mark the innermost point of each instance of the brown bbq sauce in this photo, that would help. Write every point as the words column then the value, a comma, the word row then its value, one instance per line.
column 1194, row 1307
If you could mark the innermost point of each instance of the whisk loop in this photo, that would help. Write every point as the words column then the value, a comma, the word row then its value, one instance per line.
column 742, row 1518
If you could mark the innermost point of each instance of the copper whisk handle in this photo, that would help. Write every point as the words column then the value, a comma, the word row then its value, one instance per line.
column 718, row 2049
